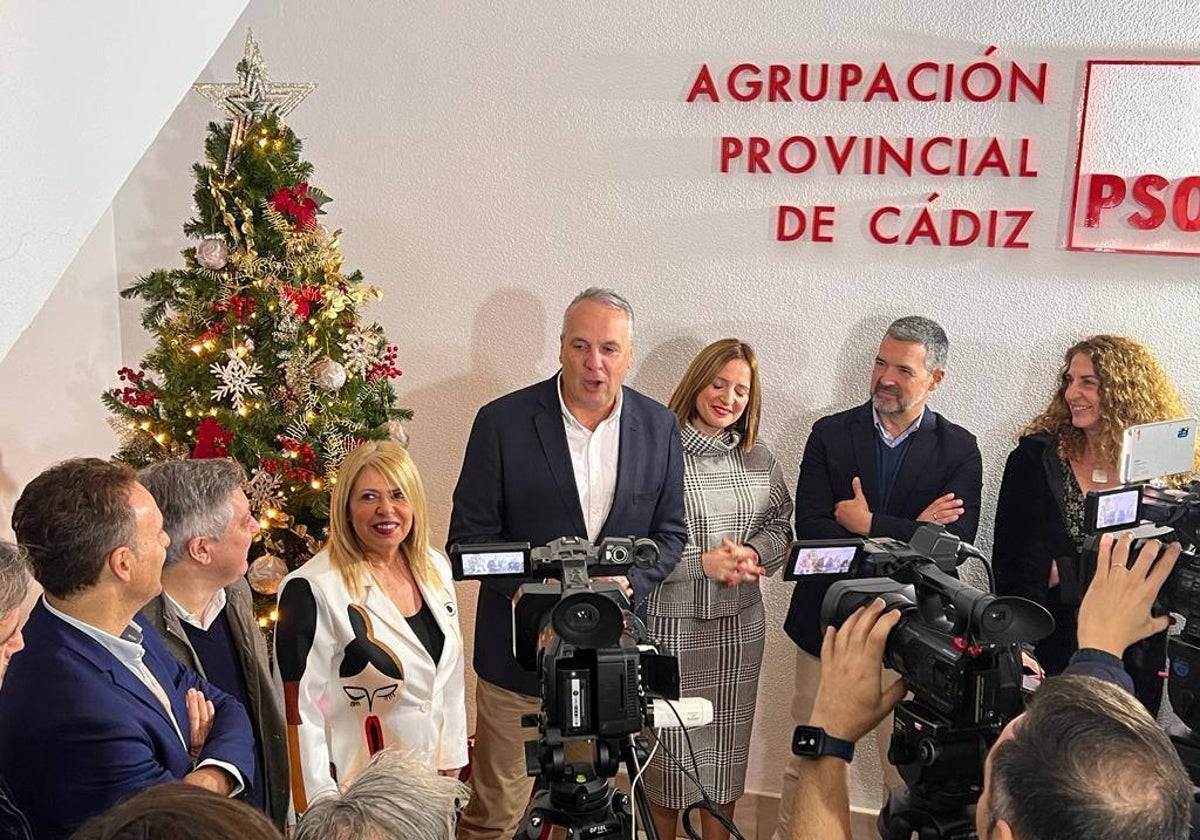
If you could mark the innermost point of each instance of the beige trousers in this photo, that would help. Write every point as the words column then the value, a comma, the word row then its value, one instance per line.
column 499, row 786
column 808, row 675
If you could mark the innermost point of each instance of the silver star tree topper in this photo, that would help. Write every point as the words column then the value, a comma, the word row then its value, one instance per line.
column 253, row 96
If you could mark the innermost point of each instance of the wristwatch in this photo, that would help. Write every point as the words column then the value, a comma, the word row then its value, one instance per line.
column 814, row 742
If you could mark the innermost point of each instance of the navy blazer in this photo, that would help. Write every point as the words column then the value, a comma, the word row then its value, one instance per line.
column 941, row 458
column 79, row 732
column 517, row 484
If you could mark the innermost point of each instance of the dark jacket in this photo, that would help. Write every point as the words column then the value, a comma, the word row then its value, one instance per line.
column 79, row 732
column 1031, row 532
column 941, row 458
column 266, row 709
column 13, row 825
column 517, row 484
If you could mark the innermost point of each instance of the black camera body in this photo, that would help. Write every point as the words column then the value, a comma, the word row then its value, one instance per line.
column 595, row 665
column 957, row 648
column 597, row 669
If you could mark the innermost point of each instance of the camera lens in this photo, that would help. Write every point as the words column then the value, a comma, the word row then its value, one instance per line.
column 588, row 619
column 582, row 618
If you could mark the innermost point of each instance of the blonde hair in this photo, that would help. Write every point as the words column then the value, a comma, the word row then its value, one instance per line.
column 704, row 369
column 393, row 462
column 1134, row 389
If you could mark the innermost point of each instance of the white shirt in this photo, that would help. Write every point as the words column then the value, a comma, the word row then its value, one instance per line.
column 594, row 456
column 204, row 620
column 127, row 649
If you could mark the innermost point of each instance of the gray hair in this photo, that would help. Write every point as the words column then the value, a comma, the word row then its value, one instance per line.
column 193, row 496
column 15, row 572
column 601, row 295
column 926, row 332
column 397, row 795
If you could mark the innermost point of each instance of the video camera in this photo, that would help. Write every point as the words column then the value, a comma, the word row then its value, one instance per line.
column 958, row 650
column 598, row 672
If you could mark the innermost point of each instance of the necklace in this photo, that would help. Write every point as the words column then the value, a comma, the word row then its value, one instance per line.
column 1099, row 476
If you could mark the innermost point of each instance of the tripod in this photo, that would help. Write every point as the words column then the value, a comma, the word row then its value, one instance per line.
column 578, row 797
column 906, row 814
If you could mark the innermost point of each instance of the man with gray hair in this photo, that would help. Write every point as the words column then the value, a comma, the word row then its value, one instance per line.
column 881, row 469
column 14, row 586
column 96, row 709
column 580, row 455
column 397, row 795
column 205, row 613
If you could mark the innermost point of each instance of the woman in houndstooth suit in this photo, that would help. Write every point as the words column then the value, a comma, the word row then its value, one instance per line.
column 709, row 612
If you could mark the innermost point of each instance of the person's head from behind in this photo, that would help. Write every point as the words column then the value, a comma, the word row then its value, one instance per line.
column 721, row 390
column 178, row 811
column 87, row 525
column 1085, row 760
column 909, row 365
column 1106, row 384
column 397, row 795
column 378, row 513
column 206, row 514
column 595, row 351
column 14, row 586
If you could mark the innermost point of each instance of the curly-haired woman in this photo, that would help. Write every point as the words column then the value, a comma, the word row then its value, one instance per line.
column 1107, row 383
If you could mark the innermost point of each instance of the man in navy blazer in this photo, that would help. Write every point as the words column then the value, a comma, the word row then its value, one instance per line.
column 881, row 469
column 575, row 455
column 96, row 708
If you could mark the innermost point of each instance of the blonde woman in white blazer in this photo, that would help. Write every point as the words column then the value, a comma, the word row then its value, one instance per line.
column 368, row 644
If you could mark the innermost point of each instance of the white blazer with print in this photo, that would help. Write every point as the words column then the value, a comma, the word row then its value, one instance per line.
column 357, row 679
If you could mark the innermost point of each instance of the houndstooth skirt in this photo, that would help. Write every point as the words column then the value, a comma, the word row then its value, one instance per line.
column 719, row 659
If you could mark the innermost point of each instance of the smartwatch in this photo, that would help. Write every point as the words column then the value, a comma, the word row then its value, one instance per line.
column 815, row 742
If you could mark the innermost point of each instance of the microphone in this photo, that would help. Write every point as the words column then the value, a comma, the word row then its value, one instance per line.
column 692, row 712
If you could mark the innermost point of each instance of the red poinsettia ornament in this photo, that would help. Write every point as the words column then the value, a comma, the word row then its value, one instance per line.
column 212, row 439
column 298, row 205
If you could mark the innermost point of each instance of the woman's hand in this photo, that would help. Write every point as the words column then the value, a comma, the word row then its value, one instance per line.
column 731, row 563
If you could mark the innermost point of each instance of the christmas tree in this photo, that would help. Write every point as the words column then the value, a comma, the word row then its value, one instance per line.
column 259, row 353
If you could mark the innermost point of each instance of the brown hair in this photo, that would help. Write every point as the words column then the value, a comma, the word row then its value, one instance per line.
column 399, row 470
column 700, row 374
column 1134, row 389
column 179, row 811
column 1087, row 760
column 71, row 517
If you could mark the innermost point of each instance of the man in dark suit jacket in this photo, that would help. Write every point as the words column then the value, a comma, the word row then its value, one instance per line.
column 95, row 709
column 881, row 469
column 14, row 586
column 576, row 455
column 205, row 613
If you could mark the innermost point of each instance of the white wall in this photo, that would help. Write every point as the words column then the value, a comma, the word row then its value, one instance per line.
column 52, row 378
column 488, row 162
column 84, row 88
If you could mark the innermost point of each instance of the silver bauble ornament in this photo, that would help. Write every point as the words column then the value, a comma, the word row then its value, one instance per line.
column 396, row 432
column 329, row 375
column 212, row 252
column 266, row 573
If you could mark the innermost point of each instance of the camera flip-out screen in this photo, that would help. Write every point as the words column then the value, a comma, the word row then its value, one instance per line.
column 1110, row 510
column 818, row 558
column 489, row 561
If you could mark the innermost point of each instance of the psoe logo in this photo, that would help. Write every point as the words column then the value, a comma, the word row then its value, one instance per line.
column 1137, row 167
